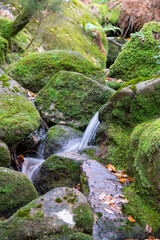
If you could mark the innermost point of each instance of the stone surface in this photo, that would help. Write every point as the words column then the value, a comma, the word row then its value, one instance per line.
column 57, row 171
column 15, row 191
column 71, row 98
column 57, row 138
column 47, row 215
column 5, row 158
column 35, row 71
column 112, row 223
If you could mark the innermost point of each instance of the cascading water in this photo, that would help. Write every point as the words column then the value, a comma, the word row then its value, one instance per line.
column 31, row 166
column 90, row 132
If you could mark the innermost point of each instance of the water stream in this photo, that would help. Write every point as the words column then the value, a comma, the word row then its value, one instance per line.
column 31, row 165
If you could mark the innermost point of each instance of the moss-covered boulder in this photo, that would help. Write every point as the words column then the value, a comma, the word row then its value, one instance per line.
column 65, row 30
column 54, row 213
column 18, row 117
column 35, row 71
column 72, row 98
column 5, row 158
column 138, row 101
column 3, row 49
column 144, row 161
column 138, row 56
column 57, row 138
column 55, row 172
column 15, row 190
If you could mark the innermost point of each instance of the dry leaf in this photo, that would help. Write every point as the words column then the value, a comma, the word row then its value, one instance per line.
column 123, row 180
column 101, row 196
column 131, row 219
column 116, row 208
column 35, row 139
column 108, row 210
column 25, row 174
column 111, row 168
column 150, row 238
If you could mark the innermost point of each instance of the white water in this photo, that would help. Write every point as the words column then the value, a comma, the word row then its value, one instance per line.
column 90, row 132
column 31, row 166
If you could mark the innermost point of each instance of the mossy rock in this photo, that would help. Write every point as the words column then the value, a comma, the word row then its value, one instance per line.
column 137, row 58
column 57, row 138
column 133, row 104
column 55, row 172
column 72, row 98
column 45, row 218
column 5, row 28
column 5, row 158
column 35, row 71
column 16, row 190
column 3, row 49
column 65, row 30
column 144, row 160
column 18, row 118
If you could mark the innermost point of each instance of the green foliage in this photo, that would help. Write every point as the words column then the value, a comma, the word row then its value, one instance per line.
column 158, row 57
column 3, row 49
column 58, row 200
column 89, row 27
column 5, row 28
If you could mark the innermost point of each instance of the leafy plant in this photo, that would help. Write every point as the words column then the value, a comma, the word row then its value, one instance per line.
column 139, row 34
column 96, row 31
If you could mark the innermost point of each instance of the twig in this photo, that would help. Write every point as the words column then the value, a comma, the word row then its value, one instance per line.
column 34, row 152
column 116, row 43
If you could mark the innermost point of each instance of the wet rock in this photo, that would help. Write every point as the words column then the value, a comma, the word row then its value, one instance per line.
column 103, row 185
column 58, row 137
column 15, row 191
column 48, row 215
column 72, row 98
column 57, row 171
column 5, row 158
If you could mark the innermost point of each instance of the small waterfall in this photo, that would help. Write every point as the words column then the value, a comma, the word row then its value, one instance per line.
column 90, row 132
column 31, row 167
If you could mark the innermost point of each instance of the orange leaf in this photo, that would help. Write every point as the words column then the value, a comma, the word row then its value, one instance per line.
column 130, row 179
column 111, row 168
column 25, row 174
column 131, row 219
column 123, row 180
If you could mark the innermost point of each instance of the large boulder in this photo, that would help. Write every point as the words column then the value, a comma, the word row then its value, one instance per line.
column 56, row 212
column 57, row 138
column 15, row 190
column 35, row 71
column 57, row 171
column 18, row 117
column 144, row 161
column 104, row 193
column 5, row 158
column 72, row 98
column 138, row 56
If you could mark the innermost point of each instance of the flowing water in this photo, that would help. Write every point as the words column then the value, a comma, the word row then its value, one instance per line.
column 31, row 165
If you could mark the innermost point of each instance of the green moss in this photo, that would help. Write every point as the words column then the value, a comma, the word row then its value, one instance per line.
column 39, row 205
column 35, row 71
column 71, row 200
column 23, row 213
column 16, row 191
column 84, row 183
column 3, row 49
column 114, row 85
column 5, row 158
column 5, row 28
column 65, row 197
column 58, row 200
column 144, row 151
column 18, row 117
column 75, row 97
column 84, row 218
column 57, row 171
column 113, row 15
column 138, row 55
column 140, row 208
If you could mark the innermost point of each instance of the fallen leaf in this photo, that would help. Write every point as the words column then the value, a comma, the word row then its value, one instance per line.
column 109, row 200
column 25, row 174
column 131, row 219
column 151, row 237
column 148, row 229
column 123, row 180
column 116, row 208
column 111, row 168
column 101, row 196
column 95, row 218
column 108, row 210
column 35, row 139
